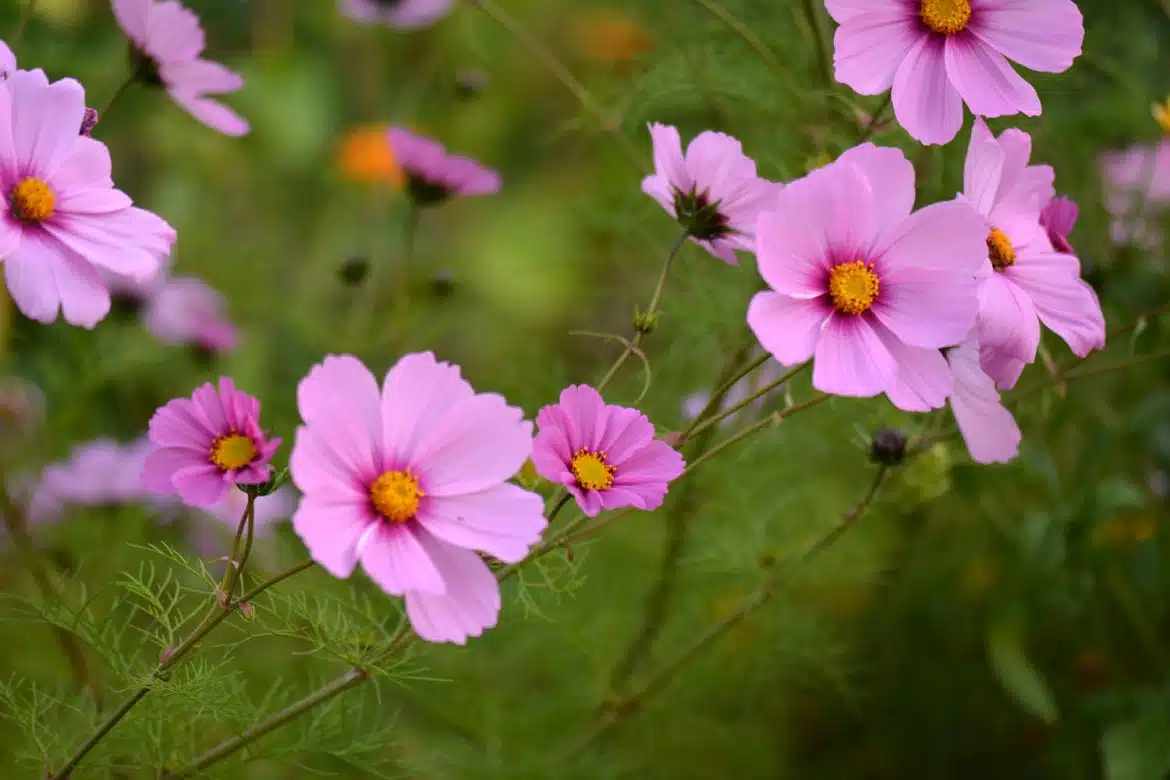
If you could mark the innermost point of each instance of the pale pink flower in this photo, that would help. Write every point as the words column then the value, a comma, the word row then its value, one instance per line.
column 185, row 310
column 402, row 14
column 712, row 191
column 7, row 61
column 434, row 175
column 168, row 42
column 1137, row 189
column 410, row 482
column 62, row 222
column 96, row 473
column 268, row 510
column 858, row 282
column 206, row 444
column 1058, row 219
column 1023, row 280
column 937, row 55
column 605, row 455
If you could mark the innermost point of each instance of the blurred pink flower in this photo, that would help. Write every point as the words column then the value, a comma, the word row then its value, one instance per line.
column 185, row 310
column 403, row 14
column 206, row 444
column 1058, row 219
column 988, row 428
column 7, row 61
column 1023, row 277
column 410, row 482
column 98, row 472
column 1137, row 189
column 168, row 41
column 712, row 191
column 858, row 282
column 63, row 222
column 272, row 508
column 937, row 55
column 433, row 175
column 605, row 455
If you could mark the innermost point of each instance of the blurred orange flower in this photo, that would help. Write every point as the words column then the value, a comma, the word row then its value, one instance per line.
column 365, row 156
column 1161, row 112
column 609, row 36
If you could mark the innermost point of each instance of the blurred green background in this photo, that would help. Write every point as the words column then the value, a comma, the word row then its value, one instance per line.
column 1008, row 621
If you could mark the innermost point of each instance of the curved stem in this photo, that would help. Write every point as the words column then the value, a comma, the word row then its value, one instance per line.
column 117, row 94
column 875, row 120
column 824, row 50
column 748, row 401
column 747, row 36
column 25, row 16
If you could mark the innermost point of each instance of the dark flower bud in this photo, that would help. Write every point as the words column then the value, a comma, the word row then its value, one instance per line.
column 88, row 121
column 888, row 447
column 354, row 270
column 443, row 284
column 470, row 83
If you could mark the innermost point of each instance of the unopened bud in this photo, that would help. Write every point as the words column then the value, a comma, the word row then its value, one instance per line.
column 674, row 439
column 248, row 609
column 354, row 270
column 88, row 121
column 221, row 597
column 165, row 655
column 470, row 83
column 888, row 447
column 645, row 322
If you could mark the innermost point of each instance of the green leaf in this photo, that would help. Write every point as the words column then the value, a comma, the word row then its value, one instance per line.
column 1139, row 748
column 1015, row 672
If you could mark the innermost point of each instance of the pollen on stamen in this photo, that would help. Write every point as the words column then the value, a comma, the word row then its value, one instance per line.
column 233, row 451
column 591, row 470
column 945, row 17
column 999, row 249
column 31, row 200
column 396, row 495
column 853, row 287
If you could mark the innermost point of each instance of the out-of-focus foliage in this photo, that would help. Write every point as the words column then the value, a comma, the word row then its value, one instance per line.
column 1005, row 621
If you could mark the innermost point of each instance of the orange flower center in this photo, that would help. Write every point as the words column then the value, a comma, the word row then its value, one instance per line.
column 999, row 248
column 591, row 470
column 31, row 200
column 945, row 17
column 853, row 287
column 396, row 495
column 233, row 451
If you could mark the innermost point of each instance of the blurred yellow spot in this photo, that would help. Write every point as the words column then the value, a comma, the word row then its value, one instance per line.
column 1161, row 112
column 609, row 36
column 365, row 156
column 1126, row 530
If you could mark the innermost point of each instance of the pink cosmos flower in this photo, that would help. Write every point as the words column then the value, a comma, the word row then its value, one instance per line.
column 168, row 42
column 1058, row 219
column 206, row 444
column 712, row 191
column 7, row 61
column 605, row 455
column 433, row 175
column 402, row 14
column 63, row 222
column 1023, row 277
column 184, row 310
column 98, row 472
column 937, row 55
column 1137, row 189
column 410, row 482
column 858, row 282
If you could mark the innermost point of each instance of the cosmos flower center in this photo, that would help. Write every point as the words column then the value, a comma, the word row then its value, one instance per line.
column 945, row 17
column 591, row 470
column 396, row 495
column 31, row 200
column 999, row 248
column 233, row 451
column 853, row 287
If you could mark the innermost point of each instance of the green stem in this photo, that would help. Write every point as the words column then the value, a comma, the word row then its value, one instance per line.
column 824, row 50
column 748, row 401
column 747, row 36
column 276, row 580
column 405, row 265
column 755, row 428
column 117, row 94
column 875, row 120
column 25, row 16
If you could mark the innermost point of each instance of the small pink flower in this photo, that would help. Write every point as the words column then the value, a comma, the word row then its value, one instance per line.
column 402, row 14
column 861, row 284
column 605, row 455
column 168, row 42
column 433, row 175
column 1058, row 219
column 7, row 61
column 63, row 223
column 1137, row 189
column 96, row 473
column 712, row 191
column 206, row 444
column 988, row 428
column 410, row 482
column 937, row 55
column 1024, row 281
column 184, row 310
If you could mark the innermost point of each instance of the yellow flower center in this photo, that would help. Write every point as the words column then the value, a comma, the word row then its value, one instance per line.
column 1161, row 113
column 999, row 248
column 853, row 287
column 31, row 200
column 233, row 451
column 591, row 470
column 396, row 495
column 945, row 17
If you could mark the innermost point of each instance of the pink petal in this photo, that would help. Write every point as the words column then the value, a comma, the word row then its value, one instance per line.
column 925, row 102
column 642, row 479
column 417, row 396
column 584, row 412
column 503, row 521
column 669, row 165
column 323, row 469
column 716, row 163
column 331, row 531
column 1064, row 301
column 1043, row 35
column 843, row 10
column 551, row 453
column 626, row 432
column 788, row 328
column 339, row 400
column 132, row 16
column 177, row 425
column 868, row 49
column 916, row 242
column 212, row 113
column 1005, row 370
column 396, row 560
column 851, row 359
column 481, row 443
column 201, row 485
column 173, row 33
column 200, row 77
column 85, row 301
column 160, row 467
column 927, row 307
column 470, row 604
column 29, row 274
column 891, row 179
column 989, row 429
column 87, row 167
column 792, row 240
column 983, row 168
column 588, row 500
column 1007, row 320
column 45, row 130
column 924, row 379
column 986, row 81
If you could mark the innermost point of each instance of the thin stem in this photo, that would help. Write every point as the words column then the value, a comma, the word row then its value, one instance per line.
column 275, row 580
column 117, row 94
column 755, row 428
column 405, row 265
column 25, row 16
column 561, row 73
column 646, row 319
column 724, row 388
column 824, row 51
column 748, row 401
column 1117, row 365
column 875, row 120
column 350, row 679
column 747, row 36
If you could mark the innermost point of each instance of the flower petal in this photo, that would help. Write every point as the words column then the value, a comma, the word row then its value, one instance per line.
column 503, row 521
column 331, row 531
column 1043, row 35
column 851, row 359
column 985, row 80
column 417, row 395
column 481, row 442
column 983, row 168
column 925, row 102
column 788, row 328
column 869, row 47
column 1064, row 301
column 891, row 179
column 339, row 400
column 924, row 379
column 470, row 604
column 396, row 559
column 1007, row 320
column 46, row 128
column 988, row 428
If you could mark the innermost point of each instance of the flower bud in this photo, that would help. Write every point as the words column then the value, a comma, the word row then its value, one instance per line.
column 888, row 447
